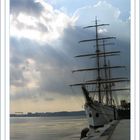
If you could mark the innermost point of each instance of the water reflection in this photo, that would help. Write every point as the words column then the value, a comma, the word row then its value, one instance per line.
column 47, row 128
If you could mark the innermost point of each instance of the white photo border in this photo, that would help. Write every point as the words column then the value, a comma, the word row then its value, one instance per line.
column 5, row 70
column 4, row 73
column 137, row 71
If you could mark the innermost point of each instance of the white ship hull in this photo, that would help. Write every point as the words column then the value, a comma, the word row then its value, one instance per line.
column 98, row 114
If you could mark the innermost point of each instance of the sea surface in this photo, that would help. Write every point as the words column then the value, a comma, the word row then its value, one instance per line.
column 46, row 128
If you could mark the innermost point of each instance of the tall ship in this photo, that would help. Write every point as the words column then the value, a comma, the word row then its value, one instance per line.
column 100, row 105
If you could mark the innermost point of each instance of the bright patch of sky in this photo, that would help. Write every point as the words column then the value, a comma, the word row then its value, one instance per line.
column 70, row 6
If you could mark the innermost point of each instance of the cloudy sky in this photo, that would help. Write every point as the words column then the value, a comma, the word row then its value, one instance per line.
column 44, row 37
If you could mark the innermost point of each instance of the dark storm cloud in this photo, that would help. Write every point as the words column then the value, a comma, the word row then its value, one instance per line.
column 16, row 76
column 33, row 95
column 53, row 64
column 25, row 6
column 120, row 44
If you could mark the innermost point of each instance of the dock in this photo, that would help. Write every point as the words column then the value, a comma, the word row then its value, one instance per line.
column 122, row 131
column 116, row 130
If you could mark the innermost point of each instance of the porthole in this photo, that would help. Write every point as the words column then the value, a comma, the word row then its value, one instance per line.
column 90, row 115
column 97, row 115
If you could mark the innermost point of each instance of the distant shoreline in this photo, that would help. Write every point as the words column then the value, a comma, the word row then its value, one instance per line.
column 123, row 114
column 49, row 114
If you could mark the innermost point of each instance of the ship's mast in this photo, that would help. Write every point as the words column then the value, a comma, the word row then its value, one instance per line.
column 97, row 39
column 98, row 62
column 106, row 77
column 110, row 86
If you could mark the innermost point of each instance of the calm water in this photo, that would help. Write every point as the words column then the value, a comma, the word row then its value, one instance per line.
column 47, row 128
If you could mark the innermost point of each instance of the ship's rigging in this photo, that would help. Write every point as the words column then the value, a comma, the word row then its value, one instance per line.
column 104, row 80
